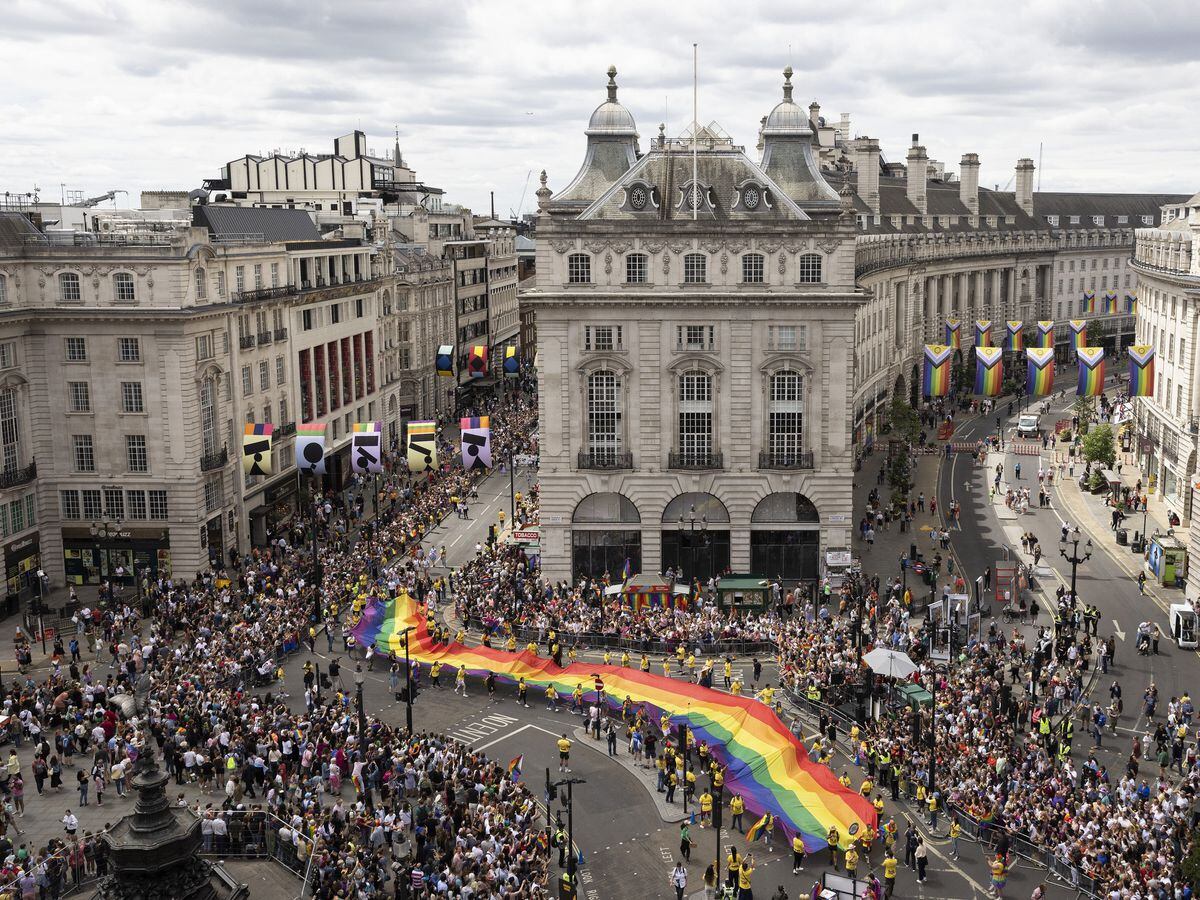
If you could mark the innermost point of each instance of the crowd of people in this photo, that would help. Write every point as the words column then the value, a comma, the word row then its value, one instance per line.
column 376, row 810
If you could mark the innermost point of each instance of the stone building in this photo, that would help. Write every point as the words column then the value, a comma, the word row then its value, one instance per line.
column 695, row 329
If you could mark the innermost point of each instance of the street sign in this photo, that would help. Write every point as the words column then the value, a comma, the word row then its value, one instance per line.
column 532, row 536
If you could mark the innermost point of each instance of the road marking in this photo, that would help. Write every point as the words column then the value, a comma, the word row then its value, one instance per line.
column 513, row 733
column 1117, row 630
column 487, row 725
column 461, row 535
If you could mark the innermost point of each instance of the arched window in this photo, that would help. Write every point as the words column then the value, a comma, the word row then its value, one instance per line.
column 579, row 269
column 68, row 288
column 123, row 288
column 604, row 418
column 785, row 411
column 636, row 267
column 201, row 284
column 695, row 268
column 753, row 268
column 810, row 268
column 208, row 416
column 695, row 418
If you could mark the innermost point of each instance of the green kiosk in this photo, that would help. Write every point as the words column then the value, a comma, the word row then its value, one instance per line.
column 751, row 593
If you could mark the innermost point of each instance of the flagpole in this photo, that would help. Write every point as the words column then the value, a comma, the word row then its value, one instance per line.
column 695, row 198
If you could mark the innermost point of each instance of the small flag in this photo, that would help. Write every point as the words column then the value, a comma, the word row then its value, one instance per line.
column 1015, row 338
column 952, row 334
column 989, row 371
column 983, row 333
column 752, row 834
column 1091, row 372
column 1078, row 333
column 626, row 570
column 1110, row 302
column 514, row 767
column 1045, row 334
column 1130, row 305
column 937, row 370
column 1039, row 373
column 1141, row 370
column 1087, row 303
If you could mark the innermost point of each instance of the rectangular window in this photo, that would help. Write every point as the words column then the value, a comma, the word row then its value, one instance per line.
column 279, row 370
column 604, row 416
column 76, row 349
column 264, row 375
column 136, row 502
column 131, row 397
column 91, row 505
column 221, row 285
column 30, row 510
column 274, row 274
column 753, row 270
column 212, row 495
column 695, row 418
column 123, row 289
column 135, row 450
column 201, row 285
column 694, row 337
column 16, row 516
column 787, row 338
column 69, row 290
column 69, row 501
column 204, row 346
column 158, row 504
column 239, row 279
column 358, row 307
column 83, row 452
column 247, row 382
column 258, row 276
column 8, row 355
column 81, row 397
column 695, row 268
column 602, row 337
column 129, row 349
column 579, row 268
column 114, row 503
column 283, row 409
column 635, row 268
column 306, row 319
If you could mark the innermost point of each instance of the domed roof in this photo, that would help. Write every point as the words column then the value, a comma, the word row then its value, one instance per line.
column 610, row 117
column 787, row 118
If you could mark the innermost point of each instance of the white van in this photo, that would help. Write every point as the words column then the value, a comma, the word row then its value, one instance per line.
column 1183, row 625
column 1027, row 426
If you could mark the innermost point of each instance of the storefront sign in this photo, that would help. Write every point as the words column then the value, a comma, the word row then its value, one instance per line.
column 527, row 537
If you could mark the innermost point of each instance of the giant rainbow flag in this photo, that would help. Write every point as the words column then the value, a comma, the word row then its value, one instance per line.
column 1141, row 370
column 935, row 381
column 765, row 762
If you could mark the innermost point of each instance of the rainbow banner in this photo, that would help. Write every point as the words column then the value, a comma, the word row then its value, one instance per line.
column 763, row 760
column 257, row 458
column 1141, row 370
column 983, row 334
column 1110, row 303
column 953, row 340
column 1130, row 305
column 989, row 371
column 936, row 381
column 1087, row 303
column 1078, row 333
column 1045, row 334
column 1039, row 371
column 1091, row 372
column 1014, row 337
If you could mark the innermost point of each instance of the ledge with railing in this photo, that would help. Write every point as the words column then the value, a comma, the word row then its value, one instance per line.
column 210, row 462
column 768, row 459
column 601, row 459
column 695, row 459
column 246, row 342
column 15, row 477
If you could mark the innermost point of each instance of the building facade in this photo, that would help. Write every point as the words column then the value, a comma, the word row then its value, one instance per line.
column 695, row 326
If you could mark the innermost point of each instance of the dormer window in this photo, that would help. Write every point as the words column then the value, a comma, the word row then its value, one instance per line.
column 695, row 196
column 1074, row 220
column 750, row 196
column 1052, row 220
column 640, row 196
column 1147, row 220
column 1097, row 220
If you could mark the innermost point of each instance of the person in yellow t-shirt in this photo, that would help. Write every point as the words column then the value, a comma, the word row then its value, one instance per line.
column 745, row 873
column 852, row 862
column 890, row 864
column 706, row 808
column 511, row 644
column 644, row 665
column 797, row 854
column 625, row 658
column 564, row 753
column 737, row 807
column 866, row 787
column 955, row 833
column 531, row 648
column 551, row 697
column 845, row 779
column 607, row 658
column 736, row 688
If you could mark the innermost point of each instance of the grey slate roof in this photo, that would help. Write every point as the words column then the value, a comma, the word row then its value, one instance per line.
column 275, row 225
column 14, row 226
column 1067, row 204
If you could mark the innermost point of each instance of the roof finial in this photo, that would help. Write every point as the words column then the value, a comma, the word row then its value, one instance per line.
column 612, row 84
column 787, row 84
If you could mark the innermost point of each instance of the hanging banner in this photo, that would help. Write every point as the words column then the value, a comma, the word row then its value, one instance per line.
column 477, row 361
column 422, row 446
column 1087, row 303
column 310, row 447
column 1091, row 372
column 1130, row 305
column 366, row 448
column 953, row 340
column 1014, row 337
column 983, row 334
column 1045, row 334
column 512, row 362
column 443, row 362
column 1110, row 303
column 989, row 371
column 256, row 449
column 1141, row 370
column 476, row 443
column 1078, row 333
column 937, row 370
column 1039, row 371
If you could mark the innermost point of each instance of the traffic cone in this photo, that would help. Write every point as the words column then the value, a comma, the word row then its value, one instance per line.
column 692, row 819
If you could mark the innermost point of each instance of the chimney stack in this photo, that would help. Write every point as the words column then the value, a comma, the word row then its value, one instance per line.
column 1025, row 185
column 918, row 171
column 968, row 182
column 844, row 128
column 814, row 115
column 866, row 171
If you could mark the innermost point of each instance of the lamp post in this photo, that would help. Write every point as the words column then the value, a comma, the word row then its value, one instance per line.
column 1074, row 558
column 408, row 695
column 694, row 525
column 317, row 574
column 358, row 695
column 103, row 532
column 41, row 576
column 571, row 859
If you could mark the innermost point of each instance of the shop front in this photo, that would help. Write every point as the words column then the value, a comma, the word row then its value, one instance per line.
column 275, row 509
column 95, row 559
column 22, row 559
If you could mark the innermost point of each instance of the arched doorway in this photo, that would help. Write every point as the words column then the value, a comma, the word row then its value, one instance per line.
column 695, row 536
column 605, row 532
column 785, row 538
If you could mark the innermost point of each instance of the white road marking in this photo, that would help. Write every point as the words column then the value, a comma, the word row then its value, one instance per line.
column 1117, row 630
column 516, row 731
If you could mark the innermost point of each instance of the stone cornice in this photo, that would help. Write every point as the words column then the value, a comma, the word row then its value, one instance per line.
column 831, row 300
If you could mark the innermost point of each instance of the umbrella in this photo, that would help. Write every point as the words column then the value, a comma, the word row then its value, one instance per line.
column 890, row 663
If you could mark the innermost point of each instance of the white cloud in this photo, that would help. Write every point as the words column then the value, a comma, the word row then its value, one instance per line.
column 138, row 95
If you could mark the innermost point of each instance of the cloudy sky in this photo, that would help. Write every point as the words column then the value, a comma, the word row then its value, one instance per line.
column 158, row 94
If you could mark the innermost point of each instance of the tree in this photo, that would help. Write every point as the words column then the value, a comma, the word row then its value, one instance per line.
column 1085, row 410
column 904, row 420
column 1099, row 446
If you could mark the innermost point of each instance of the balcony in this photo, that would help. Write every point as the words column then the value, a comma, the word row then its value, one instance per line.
column 210, row 462
column 280, row 334
column 17, row 477
column 268, row 293
column 694, row 460
column 606, row 459
column 771, row 460
column 264, row 338
column 285, row 430
column 246, row 342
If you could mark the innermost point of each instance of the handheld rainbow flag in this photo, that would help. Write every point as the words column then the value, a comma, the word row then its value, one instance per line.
column 1091, row 372
column 626, row 570
column 756, row 828
column 1078, row 333
column 1130, row 305
column 937, row 370
column 765, row 763
column 1014, row 339
column 983, row 334
column 1110, row 303
column 1039, row 371
column 1141, row 370
column 514, row 767
column 1045, row 334
column 989, row 371
column 953, row 340
column 1087, row 303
